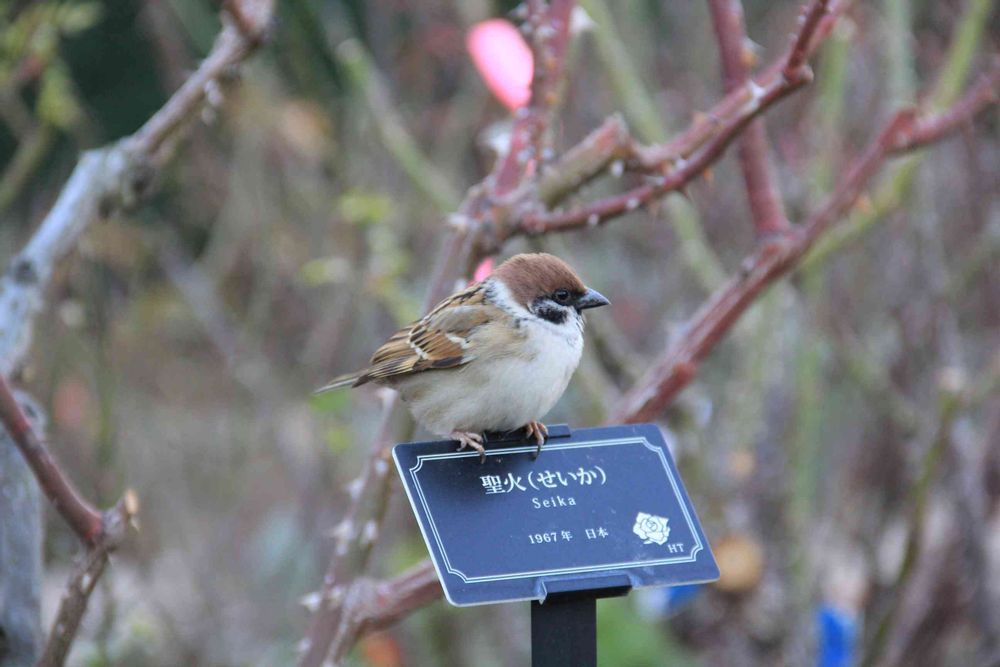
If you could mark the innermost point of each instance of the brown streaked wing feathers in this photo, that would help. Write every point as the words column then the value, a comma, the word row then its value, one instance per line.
column 438, row 340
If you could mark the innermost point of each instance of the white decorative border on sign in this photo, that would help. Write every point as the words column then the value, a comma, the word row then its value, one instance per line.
column 690, row 558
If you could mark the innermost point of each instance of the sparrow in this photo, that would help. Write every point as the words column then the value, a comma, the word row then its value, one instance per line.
column 493, row 357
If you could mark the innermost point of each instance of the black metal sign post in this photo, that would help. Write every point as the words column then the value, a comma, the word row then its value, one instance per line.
column 564, row 625
column 600, row 512
column 564, row 631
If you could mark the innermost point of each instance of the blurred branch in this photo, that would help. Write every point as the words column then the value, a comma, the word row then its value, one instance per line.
column 686, row 157
column 871, row 376
column 934, row 127
column 893, row 191
column 421, row 171
column 777, row 256
column 104, row 181
column 30, row 152
column 620, row 69
column 804, row 41
column 109, row 179
column 758, row 175
column 102, row 533
column 708, row 125
column 76, row 594
column 85, row 520
column 21, row 552
column 354, row 539
column 549, row 26
column 372, row 604
column 949, row 402
column 651, row 126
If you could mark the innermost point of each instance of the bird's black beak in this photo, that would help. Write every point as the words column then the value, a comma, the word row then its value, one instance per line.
column 591, row 299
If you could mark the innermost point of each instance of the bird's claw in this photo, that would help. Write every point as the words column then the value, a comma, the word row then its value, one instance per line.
column 538, row 431
column 471, row 440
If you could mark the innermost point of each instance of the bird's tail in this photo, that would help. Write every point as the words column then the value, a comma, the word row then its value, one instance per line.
column 339, row 381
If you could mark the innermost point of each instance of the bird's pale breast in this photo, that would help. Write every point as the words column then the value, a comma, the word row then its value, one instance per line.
column 499, row 390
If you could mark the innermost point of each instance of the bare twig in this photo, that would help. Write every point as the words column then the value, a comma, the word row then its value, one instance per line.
column 756, row 98
column 681, row 160
column 105, row 180
column 774, row 258
column 102, row 533
column 549, row 24
column 736, row 57
column 245, row 24
column 803, row 43
column 362, row 73
column 707, row 124
column 951, row 400
column 81, row 516
column 934, row 127
column 372, row 605
column 81, row 584
column 108, row 179
column 354, row 538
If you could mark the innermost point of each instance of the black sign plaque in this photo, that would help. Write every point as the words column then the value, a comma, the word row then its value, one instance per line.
column 601, row 508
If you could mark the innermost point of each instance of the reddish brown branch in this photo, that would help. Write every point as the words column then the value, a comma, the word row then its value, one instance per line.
column 76, row 594
column 373, row 605
column 802, row 44
column 929, row 129
column 74, row 601
column 765, row 203
column 707, row 124
column 776, row 257
column 104, row 181
column 549, row 24
column 687, row 156
column 101, row 533
column 684, row 171
column 81, row 516
column 354, row 538
column 584, row 161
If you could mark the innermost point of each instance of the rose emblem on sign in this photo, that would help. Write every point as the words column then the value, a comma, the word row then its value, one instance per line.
column 651, row 528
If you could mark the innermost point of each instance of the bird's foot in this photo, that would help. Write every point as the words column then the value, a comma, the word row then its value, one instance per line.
column 538, row 431
column 472, row 440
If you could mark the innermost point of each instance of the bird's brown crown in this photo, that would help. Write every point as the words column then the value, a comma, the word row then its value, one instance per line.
column 531, row 275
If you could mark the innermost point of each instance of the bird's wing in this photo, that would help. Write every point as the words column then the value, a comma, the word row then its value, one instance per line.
column 441, row 339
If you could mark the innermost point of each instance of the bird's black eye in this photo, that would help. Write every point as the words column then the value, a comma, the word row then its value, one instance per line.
column 561, row 296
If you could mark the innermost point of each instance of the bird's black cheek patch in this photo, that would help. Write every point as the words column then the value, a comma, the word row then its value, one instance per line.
column 547, row 310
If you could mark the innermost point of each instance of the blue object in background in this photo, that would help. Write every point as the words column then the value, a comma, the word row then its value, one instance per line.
column 659, row 603
column 837, row 630
column 679, row 596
